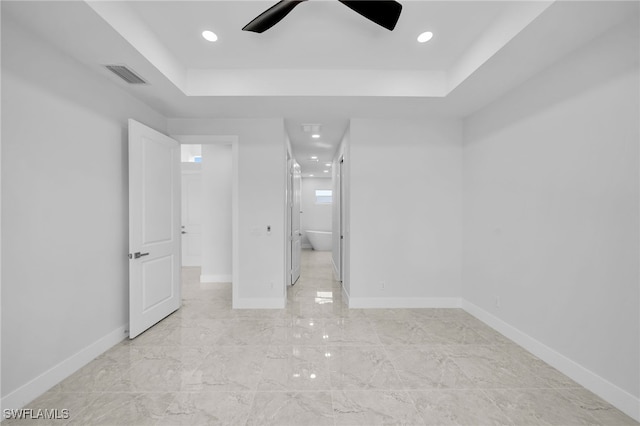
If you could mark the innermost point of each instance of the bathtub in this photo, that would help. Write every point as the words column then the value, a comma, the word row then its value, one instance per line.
column 320, row 240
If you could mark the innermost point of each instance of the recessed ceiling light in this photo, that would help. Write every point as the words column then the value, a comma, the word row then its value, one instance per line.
column 425, row 37
column 326, row 171
column 315, row 136
column 314, row 158
column 310, row 175
column 209, row 35
column 328, row 164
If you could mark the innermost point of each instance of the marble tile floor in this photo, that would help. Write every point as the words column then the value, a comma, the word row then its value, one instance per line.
column 319, row 363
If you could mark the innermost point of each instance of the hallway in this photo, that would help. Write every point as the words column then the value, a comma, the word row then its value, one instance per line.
column 319, row 363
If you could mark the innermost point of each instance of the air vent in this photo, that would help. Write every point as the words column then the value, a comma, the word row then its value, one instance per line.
column 125, row 73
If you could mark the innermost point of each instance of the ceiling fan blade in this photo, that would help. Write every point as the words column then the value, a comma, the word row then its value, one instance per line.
column 271, row 16
column 383, row 12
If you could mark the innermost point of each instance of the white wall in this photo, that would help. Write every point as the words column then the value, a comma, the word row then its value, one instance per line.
column 216, row 213
column 550, row 212
column 314, row 217
column 64, row 213
column 551, row 202
column 2, row 404
column 261, row 202
column 405, row 212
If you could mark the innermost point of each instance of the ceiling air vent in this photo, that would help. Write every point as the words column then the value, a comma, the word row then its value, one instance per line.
column 311, row 128
column 125, row 73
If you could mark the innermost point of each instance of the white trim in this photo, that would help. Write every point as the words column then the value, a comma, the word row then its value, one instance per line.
column 404, row 302
column 206, row 139
column 336, row 273
column 216, row 278
column 306, row 246
column 346, row 296
column 259, row 303
column 45, row 381
column 621, row 399
column 286, row 226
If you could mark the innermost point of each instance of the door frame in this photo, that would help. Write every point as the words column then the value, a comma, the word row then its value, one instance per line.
column 235, row 178
column 295, row 175
column 341, row 219
column 288, row 244
column 342, row 215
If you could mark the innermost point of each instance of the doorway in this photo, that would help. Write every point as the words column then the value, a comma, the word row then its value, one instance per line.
column 214, row 163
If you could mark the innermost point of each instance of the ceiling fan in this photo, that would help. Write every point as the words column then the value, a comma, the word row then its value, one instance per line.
column 383, row 12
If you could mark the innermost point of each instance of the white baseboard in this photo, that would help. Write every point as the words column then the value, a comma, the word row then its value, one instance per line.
column 404, row 302
column 259, row 303
column 306, row 246
column 45, row 381
column 215, row 278
column 621, row 399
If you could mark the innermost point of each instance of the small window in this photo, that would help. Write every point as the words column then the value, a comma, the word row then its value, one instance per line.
column 324, row 196
column 191, row 153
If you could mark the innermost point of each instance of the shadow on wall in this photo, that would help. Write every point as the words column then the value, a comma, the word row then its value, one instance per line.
column 583, row 70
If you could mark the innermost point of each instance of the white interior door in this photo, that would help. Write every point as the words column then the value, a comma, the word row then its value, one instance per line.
column 154, row 227
column 191, row 215
column 289, row 244
column 296, row 232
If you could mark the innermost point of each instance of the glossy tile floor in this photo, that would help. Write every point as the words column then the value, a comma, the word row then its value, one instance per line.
column 320, row 363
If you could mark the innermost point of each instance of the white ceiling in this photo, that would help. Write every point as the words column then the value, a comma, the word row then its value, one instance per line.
column 323, row 63
column 316, row 34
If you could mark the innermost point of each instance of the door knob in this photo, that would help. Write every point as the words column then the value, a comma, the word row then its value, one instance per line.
column 138, row 255
column 184, row 232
